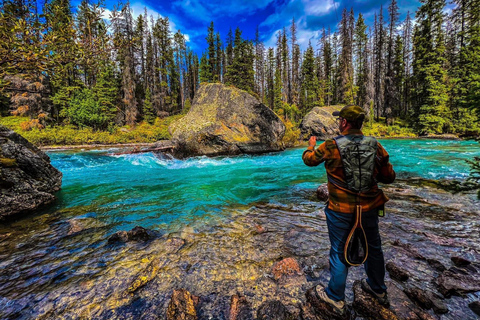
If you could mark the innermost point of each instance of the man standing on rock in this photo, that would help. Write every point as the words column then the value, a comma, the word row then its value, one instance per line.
column 354, row 164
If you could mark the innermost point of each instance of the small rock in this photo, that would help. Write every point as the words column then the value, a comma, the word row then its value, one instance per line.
column 420, row 297
column 322, row 309
column 240, row 308
column 460, row 262
column 260, row 229
column 119, row 236
column 139, row 234
column 182, row 306
column 437, row 304
column 286, row 268
column 396, row 272
column 273, row 310
column 459, row 280
column 408, row 249
column 322, row 192
column 437, row 265
column 475, row 306
column 145, row 276
column 136, row 234
column 74, row 226
column 173, row 245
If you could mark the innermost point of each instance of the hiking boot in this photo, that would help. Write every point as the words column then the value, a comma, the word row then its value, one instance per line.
column 382, row 298
column 338, row 306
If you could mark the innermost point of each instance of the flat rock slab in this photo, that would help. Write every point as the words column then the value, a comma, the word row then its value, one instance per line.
column 459, row 280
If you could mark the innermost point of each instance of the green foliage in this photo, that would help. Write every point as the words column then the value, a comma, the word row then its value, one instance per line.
column 380, row 129
column 84, row 110
column 148, row 111
column 309, row 97
column 240, row 73
column 474, row 177
column 71, row 135
column 292, row 134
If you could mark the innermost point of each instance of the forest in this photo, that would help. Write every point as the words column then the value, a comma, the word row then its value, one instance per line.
column 64, row 66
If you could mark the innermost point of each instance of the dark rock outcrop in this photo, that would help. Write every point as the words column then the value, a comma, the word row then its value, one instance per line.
column 396, row 272
column 459, row 280
column 320, row 123
column 226, row 121
column 182, row 306
column 27, row 179
column 273, row 310
column 240, row 308
column 322, row 192
column 139, row 234
column 401, row 307
column 475, row 306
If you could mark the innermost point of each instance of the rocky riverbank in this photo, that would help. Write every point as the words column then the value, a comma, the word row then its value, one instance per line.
column 255, row 262
column 27, row 179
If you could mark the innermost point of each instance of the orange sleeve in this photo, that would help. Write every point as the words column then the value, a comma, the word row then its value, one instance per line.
column 313, row 157
column 386, row 174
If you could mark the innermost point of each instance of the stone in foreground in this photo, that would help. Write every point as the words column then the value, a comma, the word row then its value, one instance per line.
column 27, row 179
column 226, row 121
column 182, row 306
column 320, row 123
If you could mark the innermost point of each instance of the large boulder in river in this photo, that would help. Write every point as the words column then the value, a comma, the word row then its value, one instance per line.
column 226, row 121
column 27, row 179
column 320, row 123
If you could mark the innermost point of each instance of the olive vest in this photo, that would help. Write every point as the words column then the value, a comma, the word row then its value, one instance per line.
column 358, row 154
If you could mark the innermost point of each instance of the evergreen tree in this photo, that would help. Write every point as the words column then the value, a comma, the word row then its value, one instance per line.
column 361, row 42
column 240, row 73
column 309, row 97
column 391, row 92
column 430, row 105
column 212, row 59
column 295, row 81
column 149, row 115
column 270, row 79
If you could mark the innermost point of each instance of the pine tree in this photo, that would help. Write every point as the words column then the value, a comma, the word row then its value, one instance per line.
column 309, row 97
column 345, row 72
column 391, row 92
column 270, row 79
column 149, row 115
column 240, row 73
column 379, row 63
column 361, row 42
column 211, row 54
column 295, row 80
column 430, row 105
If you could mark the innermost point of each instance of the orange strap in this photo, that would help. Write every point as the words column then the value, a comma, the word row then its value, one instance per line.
column 358, row 224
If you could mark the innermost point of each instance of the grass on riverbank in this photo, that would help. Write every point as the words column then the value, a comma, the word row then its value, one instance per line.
column 380, row 129
column 71, row 135
column 147, row 133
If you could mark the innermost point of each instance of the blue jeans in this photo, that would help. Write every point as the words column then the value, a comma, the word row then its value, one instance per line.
column 339, row 225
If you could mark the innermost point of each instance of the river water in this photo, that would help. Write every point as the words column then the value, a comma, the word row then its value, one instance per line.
column 207, row 213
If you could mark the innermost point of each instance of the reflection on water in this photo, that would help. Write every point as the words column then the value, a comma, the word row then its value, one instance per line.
column 58, row 264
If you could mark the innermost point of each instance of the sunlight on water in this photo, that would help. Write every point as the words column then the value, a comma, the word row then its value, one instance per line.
column 156, row 191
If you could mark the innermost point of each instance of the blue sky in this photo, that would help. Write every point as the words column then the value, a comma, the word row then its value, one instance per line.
column 192, row 17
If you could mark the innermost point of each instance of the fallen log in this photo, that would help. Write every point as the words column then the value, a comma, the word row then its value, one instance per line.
column 134, row 151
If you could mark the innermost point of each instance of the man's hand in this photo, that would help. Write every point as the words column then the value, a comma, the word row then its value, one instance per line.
column 312, row 142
